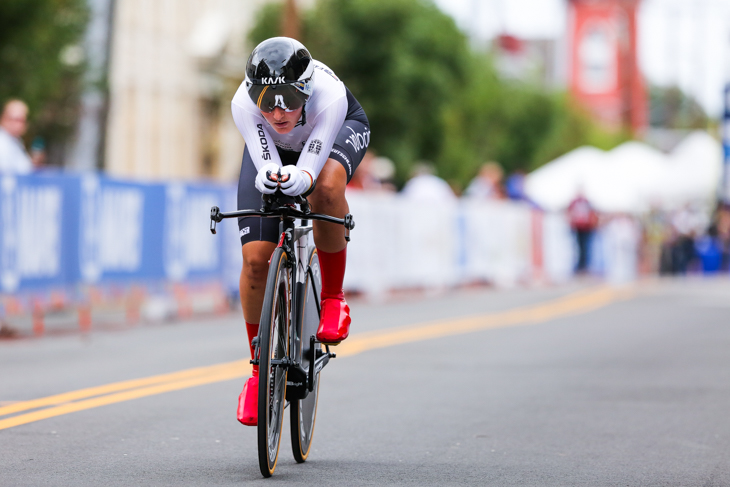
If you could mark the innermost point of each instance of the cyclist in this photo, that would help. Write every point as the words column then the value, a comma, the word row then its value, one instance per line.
column 298, row 119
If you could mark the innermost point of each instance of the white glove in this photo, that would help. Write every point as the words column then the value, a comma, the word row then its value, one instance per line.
column 263, row 183
column 298, row 182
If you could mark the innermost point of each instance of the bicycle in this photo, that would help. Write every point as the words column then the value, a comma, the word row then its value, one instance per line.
column 290, row 364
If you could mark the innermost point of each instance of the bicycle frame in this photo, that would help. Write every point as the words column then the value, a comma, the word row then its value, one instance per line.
column 293, row 240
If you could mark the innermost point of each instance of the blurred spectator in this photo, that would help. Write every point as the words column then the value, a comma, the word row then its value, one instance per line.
column 655, row 231
column 514, row 188
column 709, row 250
column 583, row 221
column 687, row 223
column 38, row 152
column 486, row 184
column 723, row 233
column 622, row 234
column 373, row 174
column 13, row 124
column 425, row 186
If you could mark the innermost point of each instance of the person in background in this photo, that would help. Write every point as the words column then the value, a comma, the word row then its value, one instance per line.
column 687, row 224
column 583, row 221
column 426, row 186
column 486, row 184
column 38, row 153
column 723, row 231
column 14, row 159
column 373, row 174
column 514, row 188
column 709, row 249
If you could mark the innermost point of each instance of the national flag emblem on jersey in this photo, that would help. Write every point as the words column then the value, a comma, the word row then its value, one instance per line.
column 305, row 86
column 315, row 147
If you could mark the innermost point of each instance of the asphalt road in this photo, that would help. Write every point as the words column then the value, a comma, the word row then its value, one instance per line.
column 577, row 385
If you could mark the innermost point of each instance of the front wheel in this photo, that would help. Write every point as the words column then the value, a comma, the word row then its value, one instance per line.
column 273, row 348
column 303, row 412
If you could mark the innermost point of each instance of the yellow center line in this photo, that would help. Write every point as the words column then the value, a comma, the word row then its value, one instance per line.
column 579, row 302
column 72, row 407
column 117, row 386
column 57, row 405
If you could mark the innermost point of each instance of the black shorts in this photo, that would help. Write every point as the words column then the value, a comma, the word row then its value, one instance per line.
column 349, row 148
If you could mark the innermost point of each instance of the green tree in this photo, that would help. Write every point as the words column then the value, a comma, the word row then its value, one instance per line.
column 403, row 60
column 428, row 96
column 671, row 108
column 39, row 63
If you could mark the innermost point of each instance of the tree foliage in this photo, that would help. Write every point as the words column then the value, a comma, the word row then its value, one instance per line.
column 671, row 108
column 428, row 96
column 34, row 35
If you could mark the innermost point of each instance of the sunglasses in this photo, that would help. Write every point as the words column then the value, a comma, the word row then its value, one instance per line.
column 268, row 97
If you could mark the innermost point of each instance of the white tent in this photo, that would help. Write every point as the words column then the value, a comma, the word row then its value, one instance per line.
column 632, row 177
column 695, row 171
column 554, row 185
column 625, row 178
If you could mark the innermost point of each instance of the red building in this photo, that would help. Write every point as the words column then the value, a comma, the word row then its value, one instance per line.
column 604, row 74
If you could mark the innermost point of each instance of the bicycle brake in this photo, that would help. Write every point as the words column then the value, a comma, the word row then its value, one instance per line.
column 255, row 343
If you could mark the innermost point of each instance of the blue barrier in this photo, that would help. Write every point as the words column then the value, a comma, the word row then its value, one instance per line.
column 60, row 230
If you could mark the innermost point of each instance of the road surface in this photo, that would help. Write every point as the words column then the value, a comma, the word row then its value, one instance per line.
column 577, row 385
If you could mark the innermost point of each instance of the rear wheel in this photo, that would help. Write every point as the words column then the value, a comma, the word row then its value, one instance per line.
column 303, row 412
column 273, row 347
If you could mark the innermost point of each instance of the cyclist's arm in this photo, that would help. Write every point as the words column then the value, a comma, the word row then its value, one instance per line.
column 253, row 128
column 327, row 125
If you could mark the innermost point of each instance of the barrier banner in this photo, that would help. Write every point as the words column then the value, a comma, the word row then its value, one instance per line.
column 119, row 230
column 59, row 231
column 228, row 230
column 189, row 250
column 37, row 241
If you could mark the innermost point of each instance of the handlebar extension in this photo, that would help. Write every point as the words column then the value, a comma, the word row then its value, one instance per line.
column 269, row 210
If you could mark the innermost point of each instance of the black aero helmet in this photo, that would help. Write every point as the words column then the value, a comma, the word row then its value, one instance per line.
column 279, row 73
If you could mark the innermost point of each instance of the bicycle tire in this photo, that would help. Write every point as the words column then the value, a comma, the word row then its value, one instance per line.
column 303, row 412
column 273, row 345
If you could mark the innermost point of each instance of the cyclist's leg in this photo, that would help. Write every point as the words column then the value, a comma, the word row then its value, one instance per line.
column 258, row 237
column 252, row 284
column 329, row 197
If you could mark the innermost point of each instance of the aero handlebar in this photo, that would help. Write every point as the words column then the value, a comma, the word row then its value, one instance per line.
column 273, row 208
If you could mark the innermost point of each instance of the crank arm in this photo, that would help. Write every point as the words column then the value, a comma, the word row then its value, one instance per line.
column 317, row 360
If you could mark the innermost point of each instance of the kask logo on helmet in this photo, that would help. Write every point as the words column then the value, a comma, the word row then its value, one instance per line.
column 273, row 81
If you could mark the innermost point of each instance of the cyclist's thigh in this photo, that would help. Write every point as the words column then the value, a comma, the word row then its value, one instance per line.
column 253, row 229
column 350, row 145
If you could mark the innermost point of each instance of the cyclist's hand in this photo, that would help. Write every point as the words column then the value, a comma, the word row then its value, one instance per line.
column 267, row 180
column 295, row 181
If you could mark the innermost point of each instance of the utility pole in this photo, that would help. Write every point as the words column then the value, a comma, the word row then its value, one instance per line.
column 290, row 25
column 87, row 151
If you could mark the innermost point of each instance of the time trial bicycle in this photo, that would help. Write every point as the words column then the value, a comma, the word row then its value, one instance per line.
column 289, row 356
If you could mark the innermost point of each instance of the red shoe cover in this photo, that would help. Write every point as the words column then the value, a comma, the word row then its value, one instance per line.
column 334, row 323
column 248, row 402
